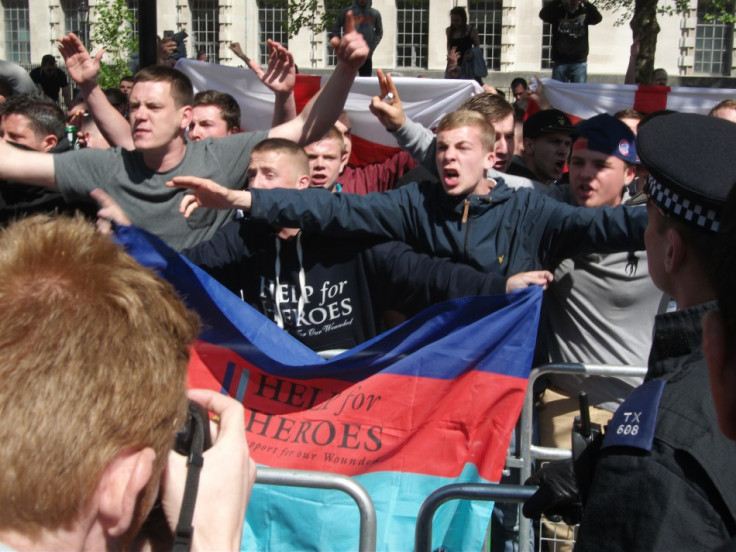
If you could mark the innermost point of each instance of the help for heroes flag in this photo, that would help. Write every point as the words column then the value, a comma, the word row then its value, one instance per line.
column 426, row 404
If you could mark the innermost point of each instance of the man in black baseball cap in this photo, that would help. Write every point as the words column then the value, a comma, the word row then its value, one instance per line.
column 663, row 479
column 546, row 147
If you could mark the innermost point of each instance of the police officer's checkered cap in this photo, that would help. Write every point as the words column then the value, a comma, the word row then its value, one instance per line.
column 692, row 162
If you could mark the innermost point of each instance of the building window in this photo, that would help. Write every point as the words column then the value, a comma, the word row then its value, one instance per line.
column 133, row 8
column 713, row 43
column 412, row 31
column 332, row 10
column 546, row 46
column 272, row 19
column 206, row 28
column 72, row 22
column 17, row 31
column 486, row 16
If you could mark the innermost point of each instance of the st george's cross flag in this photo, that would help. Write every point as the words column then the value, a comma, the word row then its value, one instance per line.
column 586, row 100
column 428, row 403
column 425, row 101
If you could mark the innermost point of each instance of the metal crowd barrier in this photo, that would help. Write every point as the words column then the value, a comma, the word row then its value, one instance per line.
column 324, row 480
column 463, row 491
column 528, row 452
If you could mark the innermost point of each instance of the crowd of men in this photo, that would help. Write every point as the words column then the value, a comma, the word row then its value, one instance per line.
column 276, row 214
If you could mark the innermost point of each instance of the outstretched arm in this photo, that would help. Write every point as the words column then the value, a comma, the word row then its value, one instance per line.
column 208, row 193
column 83, row 69
column 415, row 280
column 323, row 110
column 30, row 167
column 280, row 77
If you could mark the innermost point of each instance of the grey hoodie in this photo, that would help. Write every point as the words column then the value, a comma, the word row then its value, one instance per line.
column 367, row 22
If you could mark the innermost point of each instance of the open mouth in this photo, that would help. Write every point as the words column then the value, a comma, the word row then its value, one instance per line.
column 451, row 177
column 585, row 192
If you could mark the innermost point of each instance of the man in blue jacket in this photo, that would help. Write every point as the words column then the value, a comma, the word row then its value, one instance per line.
column 468, row 218
column 327, row 291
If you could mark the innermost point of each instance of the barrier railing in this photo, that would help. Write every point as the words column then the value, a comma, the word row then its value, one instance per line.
column 529, row 452
column 324, row 480
column 462, row 491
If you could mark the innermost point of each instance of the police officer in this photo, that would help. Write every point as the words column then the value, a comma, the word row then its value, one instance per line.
column 664, row 475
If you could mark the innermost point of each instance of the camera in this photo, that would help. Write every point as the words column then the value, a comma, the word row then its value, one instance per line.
column 191, row 441
column 197, row 417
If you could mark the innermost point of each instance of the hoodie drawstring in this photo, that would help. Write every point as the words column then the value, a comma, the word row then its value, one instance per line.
column 278, row 317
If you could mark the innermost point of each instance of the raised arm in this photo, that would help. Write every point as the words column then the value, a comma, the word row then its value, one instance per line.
column 326, row 106
column 412, row 137
column 280, row 78
column 66, row 93
column 452, row 70
column 83, row 69
column 30, row 167
column 593, row 15
column 630, row 77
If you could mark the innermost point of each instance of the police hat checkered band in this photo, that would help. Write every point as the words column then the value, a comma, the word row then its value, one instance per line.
column 685, row 209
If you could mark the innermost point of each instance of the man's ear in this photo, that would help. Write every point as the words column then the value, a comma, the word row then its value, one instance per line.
column 675, row 251
column 303, row 182
column 187, row 114
column 629, row 173
column 722, row 367
column 120, row 488
column 234, row 130
column 489, row 161
column 343, row 161
column 49, row 142
column 528, row 145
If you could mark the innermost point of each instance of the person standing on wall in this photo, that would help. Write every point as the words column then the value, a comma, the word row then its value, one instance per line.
column 570, row 20
column 368, row 23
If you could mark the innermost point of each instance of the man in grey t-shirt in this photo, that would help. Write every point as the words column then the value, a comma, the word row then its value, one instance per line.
column 160, row 112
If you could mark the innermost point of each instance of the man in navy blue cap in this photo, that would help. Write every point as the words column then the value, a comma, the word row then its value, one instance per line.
column 599, row 309
column 664, row 474
column 546, row 147
column 602, row 162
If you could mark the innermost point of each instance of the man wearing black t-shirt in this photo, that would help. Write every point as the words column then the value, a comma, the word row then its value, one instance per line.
column 50, row 79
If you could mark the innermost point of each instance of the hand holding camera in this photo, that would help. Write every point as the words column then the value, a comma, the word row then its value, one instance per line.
column 225, row 482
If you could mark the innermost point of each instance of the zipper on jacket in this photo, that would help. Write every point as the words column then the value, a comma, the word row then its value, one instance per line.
column 466, row 209
column 466, row 220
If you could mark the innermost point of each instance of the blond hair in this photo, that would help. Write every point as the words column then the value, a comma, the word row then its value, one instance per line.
column 467, row 118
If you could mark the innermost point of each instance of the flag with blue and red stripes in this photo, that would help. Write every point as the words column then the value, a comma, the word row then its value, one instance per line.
column 428, row 403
